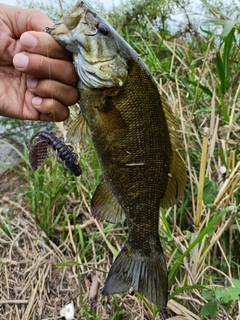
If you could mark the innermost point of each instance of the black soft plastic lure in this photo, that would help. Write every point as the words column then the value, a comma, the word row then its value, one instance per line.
column 39, row 151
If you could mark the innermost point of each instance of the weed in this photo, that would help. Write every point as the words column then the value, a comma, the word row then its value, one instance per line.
column 200, row 235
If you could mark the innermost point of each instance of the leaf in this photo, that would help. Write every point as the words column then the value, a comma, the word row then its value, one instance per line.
column 236, row 283
column 186, row 288
column 236, row 117
column 66, row 264
column 6, row 230
column 204, row 232
column 217, row 22
column 206, row 31
column 221, row 72
column 228, row 27
column 209, row 309
column 209, row 191
column 226, row 51
column 207, row 294
column 214, row 9
column 205, row 89
column 224, row 109
column 227, row 294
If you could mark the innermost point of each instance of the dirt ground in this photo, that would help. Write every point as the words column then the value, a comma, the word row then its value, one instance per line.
column 33, row 287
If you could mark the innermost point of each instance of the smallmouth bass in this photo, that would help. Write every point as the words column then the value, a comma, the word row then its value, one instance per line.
column 134, row 135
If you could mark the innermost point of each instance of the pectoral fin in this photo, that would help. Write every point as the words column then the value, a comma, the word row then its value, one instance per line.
column 79, row 130
column 104, row 206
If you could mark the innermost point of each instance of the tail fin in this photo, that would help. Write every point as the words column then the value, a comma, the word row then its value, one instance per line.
column 146, row 275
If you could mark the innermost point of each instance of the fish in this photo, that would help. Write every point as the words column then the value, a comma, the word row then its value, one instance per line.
column 136, row 140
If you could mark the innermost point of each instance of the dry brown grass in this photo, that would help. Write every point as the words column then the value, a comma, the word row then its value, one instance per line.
column 33, row 287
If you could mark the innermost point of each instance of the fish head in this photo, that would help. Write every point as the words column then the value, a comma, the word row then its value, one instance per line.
column 96, row 47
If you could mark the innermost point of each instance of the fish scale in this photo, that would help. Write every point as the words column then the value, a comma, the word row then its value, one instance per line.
column 135, row 138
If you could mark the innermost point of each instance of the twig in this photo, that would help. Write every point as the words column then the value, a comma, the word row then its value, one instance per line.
column 197, row 216
column 76, row 227
column 14, row 204
column 13, row 301
column 226, row 185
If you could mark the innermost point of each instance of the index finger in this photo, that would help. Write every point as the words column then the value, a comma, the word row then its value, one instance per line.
column 20, row 20
column 43, row 43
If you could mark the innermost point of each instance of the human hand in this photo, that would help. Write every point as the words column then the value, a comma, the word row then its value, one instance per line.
column 36, row 73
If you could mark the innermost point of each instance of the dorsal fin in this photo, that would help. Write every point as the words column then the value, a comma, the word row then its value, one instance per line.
column 177, row 174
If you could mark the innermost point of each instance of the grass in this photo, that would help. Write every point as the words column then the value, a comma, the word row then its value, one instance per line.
column 200, row 235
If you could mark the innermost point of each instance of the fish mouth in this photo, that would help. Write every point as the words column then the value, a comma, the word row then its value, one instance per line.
column 97, row 58
column 83, row 25
column 79, row 18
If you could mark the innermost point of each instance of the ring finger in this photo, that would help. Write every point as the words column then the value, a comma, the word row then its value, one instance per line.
column 45, row 68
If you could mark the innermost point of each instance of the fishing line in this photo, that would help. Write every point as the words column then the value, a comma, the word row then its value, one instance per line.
column 49, row 69
column 138, row 226
column 50, row 78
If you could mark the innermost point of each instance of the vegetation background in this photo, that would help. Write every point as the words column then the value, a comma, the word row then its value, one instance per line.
column 196, row 64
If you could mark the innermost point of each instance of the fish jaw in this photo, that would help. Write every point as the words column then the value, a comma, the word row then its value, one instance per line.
column 63, row 36
column 96, row 52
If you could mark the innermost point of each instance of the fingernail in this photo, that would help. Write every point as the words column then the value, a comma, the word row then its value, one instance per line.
column 32, row 82
column 28, row 41
column 37, row 101
column 20, row 60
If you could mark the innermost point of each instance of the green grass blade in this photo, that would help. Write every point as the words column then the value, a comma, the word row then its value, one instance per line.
column 186, row 288
column 5, row 230
column 228, row 28
column 203, row 233
column 221, row 72
column 227, row 50
column 224, row 109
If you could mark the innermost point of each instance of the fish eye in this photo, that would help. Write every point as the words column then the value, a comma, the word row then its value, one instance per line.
column 103, row 29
